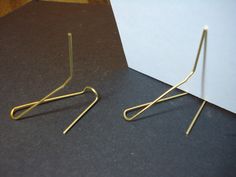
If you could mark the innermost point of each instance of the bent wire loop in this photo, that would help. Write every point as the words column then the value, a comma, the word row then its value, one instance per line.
column 161, row 97
column 47, row 99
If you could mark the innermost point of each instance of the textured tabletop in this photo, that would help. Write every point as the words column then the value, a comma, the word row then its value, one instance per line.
column 34, row 61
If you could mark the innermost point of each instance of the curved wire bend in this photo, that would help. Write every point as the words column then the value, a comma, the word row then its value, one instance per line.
column 46, row 99
column 160, row 98
column 146, row 104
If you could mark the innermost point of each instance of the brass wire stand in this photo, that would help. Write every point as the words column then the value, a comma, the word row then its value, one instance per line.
column 46, row 99
column 161, row 97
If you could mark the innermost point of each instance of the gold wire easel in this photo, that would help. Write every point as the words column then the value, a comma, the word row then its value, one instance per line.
column 162, row 99
column 46, row 99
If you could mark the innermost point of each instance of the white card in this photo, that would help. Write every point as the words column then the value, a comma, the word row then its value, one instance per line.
column 161, row 38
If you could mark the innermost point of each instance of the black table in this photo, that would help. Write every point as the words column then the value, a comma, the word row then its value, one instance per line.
column 33, row 57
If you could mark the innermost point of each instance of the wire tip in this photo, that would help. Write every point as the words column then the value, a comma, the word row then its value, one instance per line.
column 205, row 27
column 69, row 34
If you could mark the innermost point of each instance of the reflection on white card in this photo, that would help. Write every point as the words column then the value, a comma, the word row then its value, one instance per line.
column 161, row 38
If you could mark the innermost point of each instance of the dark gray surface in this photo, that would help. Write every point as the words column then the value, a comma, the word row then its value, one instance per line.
column 33, row 57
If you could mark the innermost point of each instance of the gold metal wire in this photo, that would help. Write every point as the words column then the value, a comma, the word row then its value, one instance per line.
column 160, row 98
column 146, row 104
column 46, row 99
column 195, row 118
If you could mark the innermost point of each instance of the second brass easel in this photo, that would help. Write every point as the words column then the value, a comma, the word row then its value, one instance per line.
column 161, row 97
